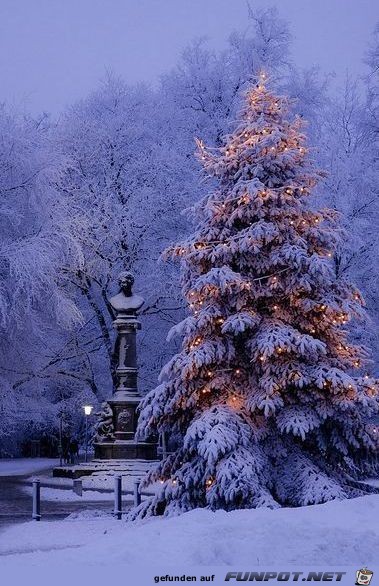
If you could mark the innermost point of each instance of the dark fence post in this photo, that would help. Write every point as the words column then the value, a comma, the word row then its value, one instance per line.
column 36, row 514
column 137, row 494
column 77, row 486
column 117, row 497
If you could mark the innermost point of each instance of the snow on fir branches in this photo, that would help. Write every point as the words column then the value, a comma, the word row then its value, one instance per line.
column 268, row 400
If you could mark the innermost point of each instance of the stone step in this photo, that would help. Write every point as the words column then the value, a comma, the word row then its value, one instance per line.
column 98, row 467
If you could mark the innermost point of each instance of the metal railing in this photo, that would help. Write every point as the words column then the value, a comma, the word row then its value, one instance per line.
column 118, row 511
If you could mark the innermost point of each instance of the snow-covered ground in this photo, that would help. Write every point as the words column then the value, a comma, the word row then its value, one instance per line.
column 95, row 482
column 336, row 533
column 22, row 466
column 59, row 495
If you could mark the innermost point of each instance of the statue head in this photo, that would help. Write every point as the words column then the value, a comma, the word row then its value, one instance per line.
column 126, row 281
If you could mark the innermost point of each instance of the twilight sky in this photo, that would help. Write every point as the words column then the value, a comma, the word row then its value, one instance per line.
column 53, row 52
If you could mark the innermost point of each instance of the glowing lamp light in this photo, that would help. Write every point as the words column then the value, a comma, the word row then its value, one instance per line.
column 87, row 412
column 87, row 409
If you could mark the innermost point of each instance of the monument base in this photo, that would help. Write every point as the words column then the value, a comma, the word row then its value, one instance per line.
column 125, row 450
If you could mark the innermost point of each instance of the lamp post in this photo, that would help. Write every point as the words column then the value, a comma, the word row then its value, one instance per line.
column 87, row 413
column 60, row 439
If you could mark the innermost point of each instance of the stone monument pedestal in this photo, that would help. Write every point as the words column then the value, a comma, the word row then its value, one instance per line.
column 117, row 422
column 120, row 441
column 122, row 444
column 125, row 450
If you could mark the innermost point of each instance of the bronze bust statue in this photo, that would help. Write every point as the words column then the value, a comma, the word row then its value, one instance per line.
column 125, row 301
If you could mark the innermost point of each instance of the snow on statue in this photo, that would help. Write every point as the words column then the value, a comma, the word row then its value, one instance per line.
column 268, row 400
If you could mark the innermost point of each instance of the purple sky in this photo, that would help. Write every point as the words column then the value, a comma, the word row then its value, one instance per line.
column 53, row 51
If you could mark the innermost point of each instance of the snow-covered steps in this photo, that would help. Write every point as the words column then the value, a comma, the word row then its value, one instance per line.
column 135, row 469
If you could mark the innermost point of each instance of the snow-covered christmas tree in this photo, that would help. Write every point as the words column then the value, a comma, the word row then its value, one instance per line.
column 269, row 399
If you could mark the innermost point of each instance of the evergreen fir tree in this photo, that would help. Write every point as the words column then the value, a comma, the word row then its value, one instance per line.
column 269, row 398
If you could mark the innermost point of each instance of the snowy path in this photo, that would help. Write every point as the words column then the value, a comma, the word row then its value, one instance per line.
column 57, row 497
column 16, row 502
column 23, row 466
column 16, row 493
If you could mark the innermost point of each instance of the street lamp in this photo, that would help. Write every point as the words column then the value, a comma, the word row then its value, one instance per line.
column 60, row 438
column 87, row 413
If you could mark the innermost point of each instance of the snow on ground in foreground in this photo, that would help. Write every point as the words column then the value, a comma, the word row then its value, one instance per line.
column 21, row 466
column 335, row 533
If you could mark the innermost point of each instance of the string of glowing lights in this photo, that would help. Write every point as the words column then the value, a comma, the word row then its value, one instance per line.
column 211, row 244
